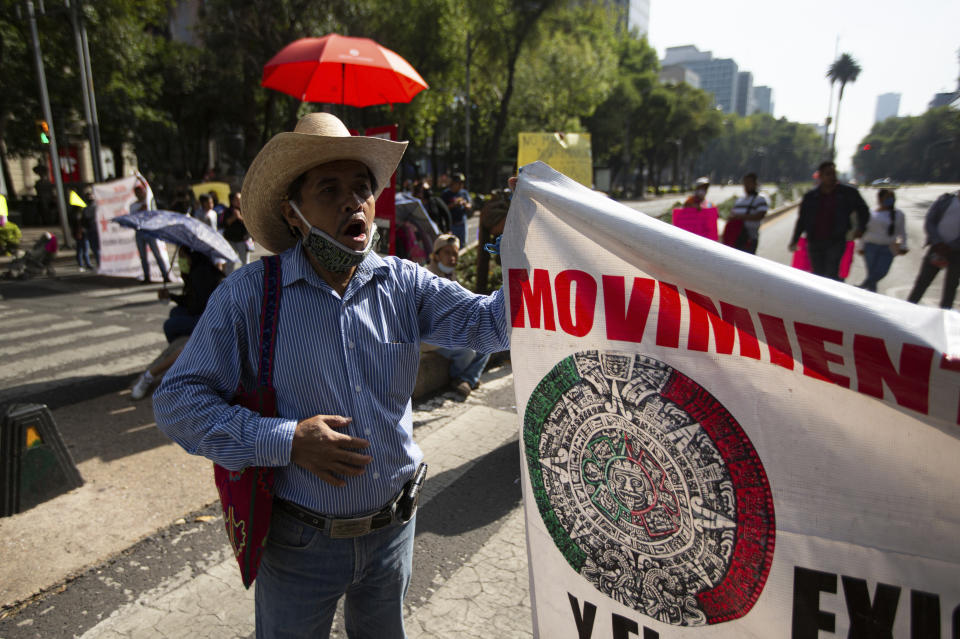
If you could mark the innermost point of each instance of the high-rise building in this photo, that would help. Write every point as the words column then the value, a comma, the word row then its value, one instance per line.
column 633, row 14
column 676, row 74
column 684, row 54
column 745, row 103
column 888, row 106
column 639, row 16
column 762, row 99
column 943, row 99
column 718, row 76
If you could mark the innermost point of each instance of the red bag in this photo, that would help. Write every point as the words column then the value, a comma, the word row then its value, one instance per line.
column 247, row 495
column 732, row 231
column 801, row 259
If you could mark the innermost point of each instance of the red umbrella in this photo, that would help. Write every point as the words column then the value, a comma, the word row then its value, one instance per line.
column 339, row 70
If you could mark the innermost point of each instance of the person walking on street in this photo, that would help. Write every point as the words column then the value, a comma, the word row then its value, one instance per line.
column 824, row 218
column 83, row 242
column 745, row 217
column 346, row 348
column 884, row 239
column 143, row 240
column 88, row 220
column 458, row 203
column 235, row 232
column 942, row 226
column 466, row 365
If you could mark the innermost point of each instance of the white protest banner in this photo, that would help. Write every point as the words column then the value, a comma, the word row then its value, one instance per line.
column 716, row 445
column 118, row 248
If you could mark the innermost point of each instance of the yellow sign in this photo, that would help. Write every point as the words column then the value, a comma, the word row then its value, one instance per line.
column 32, row 437
column 222, row 189
column 76, row 200
column 3, row 205
column 568, row 153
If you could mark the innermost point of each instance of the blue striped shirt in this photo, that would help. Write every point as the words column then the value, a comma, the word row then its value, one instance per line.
column 355, row 356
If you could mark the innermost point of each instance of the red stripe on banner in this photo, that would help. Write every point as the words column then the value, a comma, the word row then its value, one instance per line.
column 756, row 528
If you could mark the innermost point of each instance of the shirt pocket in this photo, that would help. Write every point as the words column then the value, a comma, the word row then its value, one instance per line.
column 392, row 370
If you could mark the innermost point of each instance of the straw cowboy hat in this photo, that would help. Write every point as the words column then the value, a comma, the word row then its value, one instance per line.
column 317, row 139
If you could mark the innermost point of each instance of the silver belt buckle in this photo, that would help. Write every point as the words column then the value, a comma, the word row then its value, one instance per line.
column 347, row 528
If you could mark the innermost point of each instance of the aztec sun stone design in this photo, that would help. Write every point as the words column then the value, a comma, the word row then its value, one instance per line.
column 649, row 488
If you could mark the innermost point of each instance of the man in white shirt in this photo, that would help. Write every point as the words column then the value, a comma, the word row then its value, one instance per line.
column 942, row 226
column 748, row 211
column 207, row 215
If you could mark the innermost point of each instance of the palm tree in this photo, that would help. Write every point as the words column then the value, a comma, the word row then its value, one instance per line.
column 844, row 69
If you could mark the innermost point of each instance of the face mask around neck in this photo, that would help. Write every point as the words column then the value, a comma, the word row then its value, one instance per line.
column 447, row 270
column 331, row 254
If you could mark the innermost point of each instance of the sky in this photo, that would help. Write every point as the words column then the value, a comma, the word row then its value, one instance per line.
column 902, row 47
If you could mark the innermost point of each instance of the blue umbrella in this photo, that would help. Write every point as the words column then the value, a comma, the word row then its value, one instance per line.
column 182, row 230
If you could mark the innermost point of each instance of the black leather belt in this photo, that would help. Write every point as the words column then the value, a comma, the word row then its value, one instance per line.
column 337, row 528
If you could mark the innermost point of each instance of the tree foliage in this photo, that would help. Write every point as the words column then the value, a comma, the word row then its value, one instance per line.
column 912, row 149
column 843, row 70
column 645, row 127
column 776, row 149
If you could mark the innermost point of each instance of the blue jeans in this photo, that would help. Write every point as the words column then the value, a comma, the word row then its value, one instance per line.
column 83, row 253
column 878, row 258
column 304, row 573
column 180, row 324
column 142, row 243
column 465, row 364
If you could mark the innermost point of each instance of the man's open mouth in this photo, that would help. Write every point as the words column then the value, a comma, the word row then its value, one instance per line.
column 356, row 230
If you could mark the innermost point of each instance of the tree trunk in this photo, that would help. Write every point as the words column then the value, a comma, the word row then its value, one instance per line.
column 493, row 146
column 836, row 124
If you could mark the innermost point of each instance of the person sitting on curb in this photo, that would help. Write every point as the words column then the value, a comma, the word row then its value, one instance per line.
column 200, row 278
column 466, row 365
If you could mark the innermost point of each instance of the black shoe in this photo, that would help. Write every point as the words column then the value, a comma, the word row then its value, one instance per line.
column 463, row 388
column 145, row 282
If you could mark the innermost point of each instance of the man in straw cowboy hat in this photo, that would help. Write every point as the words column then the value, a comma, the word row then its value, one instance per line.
column 345, row 362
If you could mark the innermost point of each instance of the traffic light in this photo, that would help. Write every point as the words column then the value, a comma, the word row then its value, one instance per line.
column 43, row 131
column 867, row 147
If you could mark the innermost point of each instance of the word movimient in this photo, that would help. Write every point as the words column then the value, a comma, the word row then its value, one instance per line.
column 923, row 380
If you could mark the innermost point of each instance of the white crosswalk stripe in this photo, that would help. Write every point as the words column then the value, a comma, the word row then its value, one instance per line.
column 6, row 313
column 25, row 320
column 40, row 330
column 52, row 362
column 100, row 331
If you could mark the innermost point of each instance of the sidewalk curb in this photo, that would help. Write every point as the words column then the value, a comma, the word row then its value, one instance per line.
column 777, row 212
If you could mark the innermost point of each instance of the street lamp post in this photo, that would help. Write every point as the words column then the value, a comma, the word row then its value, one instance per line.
column 86, row 85
column 48, row 115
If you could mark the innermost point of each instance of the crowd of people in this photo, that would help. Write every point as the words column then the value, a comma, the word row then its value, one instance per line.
column 834, row 221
